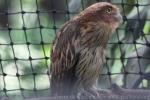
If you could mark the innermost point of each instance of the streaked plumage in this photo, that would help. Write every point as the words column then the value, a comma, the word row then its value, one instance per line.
column 79, row 49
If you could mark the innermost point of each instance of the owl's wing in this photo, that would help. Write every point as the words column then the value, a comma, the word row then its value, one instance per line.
column 64, row 58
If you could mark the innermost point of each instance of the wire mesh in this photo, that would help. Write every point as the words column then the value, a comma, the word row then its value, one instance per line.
column 28, row 27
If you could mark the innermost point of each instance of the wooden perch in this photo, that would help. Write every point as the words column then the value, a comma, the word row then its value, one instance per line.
column 115, row 93
column 4, row 98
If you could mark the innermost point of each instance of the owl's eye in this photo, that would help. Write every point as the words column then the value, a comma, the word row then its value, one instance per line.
column 108, row 10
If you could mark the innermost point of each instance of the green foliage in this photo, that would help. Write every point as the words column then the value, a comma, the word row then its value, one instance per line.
column 20, row 50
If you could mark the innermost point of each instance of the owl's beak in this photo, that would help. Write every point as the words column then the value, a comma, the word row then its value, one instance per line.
column 118, row 17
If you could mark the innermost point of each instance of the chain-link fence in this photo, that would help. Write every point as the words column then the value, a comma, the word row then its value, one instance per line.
column 28, row 27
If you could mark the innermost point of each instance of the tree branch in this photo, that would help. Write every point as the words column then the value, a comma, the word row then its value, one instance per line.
column 4, row 98
column 115, row 93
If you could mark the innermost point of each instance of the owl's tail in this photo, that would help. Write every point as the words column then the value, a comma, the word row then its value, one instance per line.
column 62, row 84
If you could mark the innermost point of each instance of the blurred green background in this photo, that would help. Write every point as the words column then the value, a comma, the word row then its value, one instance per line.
column 27, row 29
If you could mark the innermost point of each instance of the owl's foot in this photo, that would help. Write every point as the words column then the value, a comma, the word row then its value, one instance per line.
column 88, row 94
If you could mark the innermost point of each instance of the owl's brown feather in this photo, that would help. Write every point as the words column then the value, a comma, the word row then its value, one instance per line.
column 64, row 59
column 79, row 49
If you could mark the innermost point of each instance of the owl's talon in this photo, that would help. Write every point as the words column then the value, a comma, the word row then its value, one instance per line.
column 88, row 94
